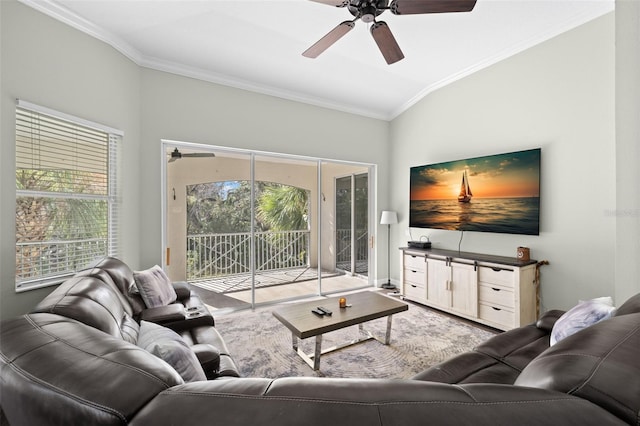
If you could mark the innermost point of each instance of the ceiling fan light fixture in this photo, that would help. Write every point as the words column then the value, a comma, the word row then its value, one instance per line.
column 369, row 14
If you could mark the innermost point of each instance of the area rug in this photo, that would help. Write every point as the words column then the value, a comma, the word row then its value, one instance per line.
column 420, row 338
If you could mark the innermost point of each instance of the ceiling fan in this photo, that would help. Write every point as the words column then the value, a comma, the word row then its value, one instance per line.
column 176, row 155
column 368, row 10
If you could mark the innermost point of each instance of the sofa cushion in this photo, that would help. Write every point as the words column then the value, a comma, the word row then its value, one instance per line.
column 122, row 277
column 93, row 302
column 599, row 363
column 155, row 287
column 167, row 345
column 581, row 316
column 58, row 371
column 631, row 306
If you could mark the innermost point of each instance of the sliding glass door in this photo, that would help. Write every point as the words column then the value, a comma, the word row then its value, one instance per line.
column 246, row 228
column 352, row 223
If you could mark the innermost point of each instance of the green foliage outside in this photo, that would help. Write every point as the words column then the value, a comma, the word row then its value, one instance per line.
column 225, row 207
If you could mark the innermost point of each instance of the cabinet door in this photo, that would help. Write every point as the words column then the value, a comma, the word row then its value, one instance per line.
column 464, row 288
column 438, row 277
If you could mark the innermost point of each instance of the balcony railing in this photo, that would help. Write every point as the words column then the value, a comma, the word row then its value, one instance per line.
column 43, row 259
column 216, row 255
column 343, row 250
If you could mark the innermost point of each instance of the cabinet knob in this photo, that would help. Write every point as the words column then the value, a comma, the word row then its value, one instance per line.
column 495, row 309
column 495, row 289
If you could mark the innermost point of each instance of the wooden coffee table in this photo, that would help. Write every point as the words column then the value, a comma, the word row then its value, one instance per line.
column 365, row 306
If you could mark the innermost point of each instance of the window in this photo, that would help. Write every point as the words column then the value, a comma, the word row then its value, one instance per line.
column 66, row 195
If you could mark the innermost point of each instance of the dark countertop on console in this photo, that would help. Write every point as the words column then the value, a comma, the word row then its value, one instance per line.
column 503, row 260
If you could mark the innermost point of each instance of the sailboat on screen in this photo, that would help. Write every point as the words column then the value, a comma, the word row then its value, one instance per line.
column 465, row 190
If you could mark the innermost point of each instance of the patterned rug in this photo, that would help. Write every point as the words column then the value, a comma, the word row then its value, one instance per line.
column 420, row 338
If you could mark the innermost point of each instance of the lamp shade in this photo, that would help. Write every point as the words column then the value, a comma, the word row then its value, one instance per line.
column 388, row 218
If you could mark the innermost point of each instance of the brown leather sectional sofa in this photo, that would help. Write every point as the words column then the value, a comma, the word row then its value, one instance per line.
column 74, row 361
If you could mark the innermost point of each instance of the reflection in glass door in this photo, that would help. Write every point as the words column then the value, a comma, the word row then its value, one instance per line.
column 352, row 233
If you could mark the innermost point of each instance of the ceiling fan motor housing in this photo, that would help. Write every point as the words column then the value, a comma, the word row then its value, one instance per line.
column 367, row 10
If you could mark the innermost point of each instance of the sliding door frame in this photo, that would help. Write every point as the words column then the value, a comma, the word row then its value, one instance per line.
column 252, row 154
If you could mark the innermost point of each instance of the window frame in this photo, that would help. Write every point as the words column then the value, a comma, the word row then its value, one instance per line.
column 112, row 196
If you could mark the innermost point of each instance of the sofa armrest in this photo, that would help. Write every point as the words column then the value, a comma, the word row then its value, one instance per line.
column 209, row 358
column 548, row 319
column 164, row 314
column 182, row 289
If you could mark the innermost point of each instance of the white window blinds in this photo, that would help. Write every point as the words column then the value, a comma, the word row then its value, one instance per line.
column 66, row 195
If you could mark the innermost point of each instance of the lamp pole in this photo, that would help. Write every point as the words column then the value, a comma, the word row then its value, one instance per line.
column 388, row 218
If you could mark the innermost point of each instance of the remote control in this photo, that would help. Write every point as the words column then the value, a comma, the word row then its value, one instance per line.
column 318, row 312
column 325, row 310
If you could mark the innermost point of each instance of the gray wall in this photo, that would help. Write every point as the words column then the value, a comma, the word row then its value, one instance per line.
column 50, row 64
column 558, row 96
column 627, row 271
column 578, row 97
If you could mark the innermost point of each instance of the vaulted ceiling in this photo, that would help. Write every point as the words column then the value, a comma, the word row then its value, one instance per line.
column 257, row 45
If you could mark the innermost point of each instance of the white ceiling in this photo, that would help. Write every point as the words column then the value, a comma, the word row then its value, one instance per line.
column 257, row 45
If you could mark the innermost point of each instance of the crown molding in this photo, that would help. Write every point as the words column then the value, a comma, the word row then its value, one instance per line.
column 72, row 19
column 230, row 81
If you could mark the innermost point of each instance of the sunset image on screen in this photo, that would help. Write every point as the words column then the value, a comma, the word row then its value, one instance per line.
column 494, row 193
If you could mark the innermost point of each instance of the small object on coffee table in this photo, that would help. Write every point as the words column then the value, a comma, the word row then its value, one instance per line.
column 325, row 310
column 318, row 312
column 342, row 302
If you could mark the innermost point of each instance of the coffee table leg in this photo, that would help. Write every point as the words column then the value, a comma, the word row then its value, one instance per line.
column 387, row 336
column 318, row 352
column 294, row 340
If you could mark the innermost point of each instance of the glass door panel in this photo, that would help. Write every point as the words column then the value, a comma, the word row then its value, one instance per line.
column 361, row 224
column 207, row 222
column 285, row 198
column 344, row 238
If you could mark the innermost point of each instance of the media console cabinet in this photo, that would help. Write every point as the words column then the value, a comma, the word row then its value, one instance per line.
column 498, row 291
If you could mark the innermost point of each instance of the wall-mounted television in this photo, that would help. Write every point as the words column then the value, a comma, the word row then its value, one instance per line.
column 496, row 193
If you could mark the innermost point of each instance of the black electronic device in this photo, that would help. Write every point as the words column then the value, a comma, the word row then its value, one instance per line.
column 419, row 244
column 318, row 312
column 325, row 310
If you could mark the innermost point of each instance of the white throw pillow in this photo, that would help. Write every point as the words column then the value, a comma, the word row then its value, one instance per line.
column 155, row 287
column 583, row 315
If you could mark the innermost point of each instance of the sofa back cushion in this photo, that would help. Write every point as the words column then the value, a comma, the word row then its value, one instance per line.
column 600, row 363
column 122, row 277
column 56, row 370
column 92, row 302
column 631, row 306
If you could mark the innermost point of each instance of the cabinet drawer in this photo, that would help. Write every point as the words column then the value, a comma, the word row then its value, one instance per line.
column 418, row 277
column 494, row 295
column 503, row 277
column 415, row 262
column 497, row 315
column 415, row 292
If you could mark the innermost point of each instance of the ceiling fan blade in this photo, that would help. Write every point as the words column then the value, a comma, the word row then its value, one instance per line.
column 331, row 37
column 336, row 3
column 409, row 7
column 386, row 42
column 199, row 154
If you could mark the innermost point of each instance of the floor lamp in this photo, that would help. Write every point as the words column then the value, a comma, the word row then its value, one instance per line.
column 388, row 218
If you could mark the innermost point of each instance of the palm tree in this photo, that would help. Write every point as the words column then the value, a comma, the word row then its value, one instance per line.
column 284, row 208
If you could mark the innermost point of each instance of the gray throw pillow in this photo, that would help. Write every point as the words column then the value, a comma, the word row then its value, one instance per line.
column 155, row 287
column 167, row 345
